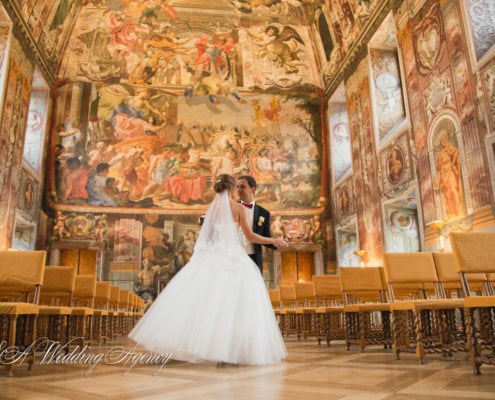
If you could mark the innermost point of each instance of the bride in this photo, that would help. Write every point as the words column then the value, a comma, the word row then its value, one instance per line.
column 216, row 308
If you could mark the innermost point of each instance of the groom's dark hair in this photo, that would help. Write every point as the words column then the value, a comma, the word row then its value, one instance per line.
column 249, row 179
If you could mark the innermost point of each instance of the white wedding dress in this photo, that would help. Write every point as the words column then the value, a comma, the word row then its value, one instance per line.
column 216, row 308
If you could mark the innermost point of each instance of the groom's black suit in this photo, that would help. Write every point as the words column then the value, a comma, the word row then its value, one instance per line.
column 261, row 226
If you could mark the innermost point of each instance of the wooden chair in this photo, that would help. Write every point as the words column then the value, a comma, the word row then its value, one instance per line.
column 474, row 252
column 329, row 308
column 276, row 300
column 366, row 309
column 56, row 303
column 420, row 324
column 137, row 309
column 82, row 311
column 100, row 311
column 113, row 312
column 124, row 313
column 448, row 275
column 288, row 309
column 140, row 308
column 21, row 277
column 306, row 309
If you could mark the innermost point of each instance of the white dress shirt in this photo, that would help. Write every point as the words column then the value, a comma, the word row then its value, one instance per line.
column 248, row 246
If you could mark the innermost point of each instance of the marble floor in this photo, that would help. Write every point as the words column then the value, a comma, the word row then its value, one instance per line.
column 311, row 372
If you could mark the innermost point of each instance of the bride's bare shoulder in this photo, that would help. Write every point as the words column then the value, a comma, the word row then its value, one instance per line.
column 235, row 206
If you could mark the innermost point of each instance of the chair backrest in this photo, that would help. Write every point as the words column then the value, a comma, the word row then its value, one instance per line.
column 58, row 285
column 274, row 297
column 446, row 269
column 102, row 294
column 114, row 298
column 85, row 290
column 305, row 293
column 140, row 305
column 124, row 299
column 133, row 301
column 288, row 295
column 448, row 275
column 362, row 284
column 22, row 272
column 474, row 252
column 410, row 269
column 328, row 291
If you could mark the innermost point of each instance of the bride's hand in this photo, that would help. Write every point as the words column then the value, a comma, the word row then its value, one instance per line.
column 280, row 242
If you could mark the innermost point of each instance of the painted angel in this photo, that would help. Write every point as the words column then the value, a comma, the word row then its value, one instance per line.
column 281, row 46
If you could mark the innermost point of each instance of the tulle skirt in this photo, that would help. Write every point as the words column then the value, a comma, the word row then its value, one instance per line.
column 215, row 309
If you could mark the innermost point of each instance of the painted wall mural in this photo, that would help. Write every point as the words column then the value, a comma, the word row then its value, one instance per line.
column 28, row 196
column 346, row 18
column 4, row 37
column 340, row 143
column 279, row 56
column 439, row 85
column 35, row 129
column 447, row 174
column 487, row 99
column 365, row 163
column 347, row 244
column 387, row 92
column 345, row 200
column 402, row 230
column 123, row 160
column 154, row 104
column 482, row 20
column 396, row 167
column 49, row 22
column 138, row 44
column 269, row 7
column 155, row 101
column 11, row 142
column 24, row 236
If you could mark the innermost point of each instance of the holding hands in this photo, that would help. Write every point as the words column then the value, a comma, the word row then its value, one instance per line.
column 280, row 242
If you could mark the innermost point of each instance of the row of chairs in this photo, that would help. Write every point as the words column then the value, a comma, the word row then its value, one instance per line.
column 422, row 303
column 54, row 302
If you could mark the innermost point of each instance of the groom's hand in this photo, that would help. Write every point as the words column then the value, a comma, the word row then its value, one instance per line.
column 280, row 242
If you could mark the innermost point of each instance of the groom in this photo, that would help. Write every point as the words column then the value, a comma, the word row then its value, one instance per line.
column 257, row 216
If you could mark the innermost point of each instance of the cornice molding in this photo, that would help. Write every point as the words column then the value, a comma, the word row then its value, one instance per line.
column 25, row 37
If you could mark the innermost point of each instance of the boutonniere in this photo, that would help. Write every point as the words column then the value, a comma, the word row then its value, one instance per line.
column 261, row 221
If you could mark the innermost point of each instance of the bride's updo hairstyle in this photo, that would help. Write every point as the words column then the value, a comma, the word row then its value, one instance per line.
column 224, row 182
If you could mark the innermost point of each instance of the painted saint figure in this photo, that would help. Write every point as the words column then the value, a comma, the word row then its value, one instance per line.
column 449, row 175
column 395, row 166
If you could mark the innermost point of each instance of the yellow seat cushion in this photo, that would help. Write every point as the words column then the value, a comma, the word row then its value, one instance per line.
column 479, row 301
column 367, row 307
column 51, row 310
column 78, row 311
column 18, row 308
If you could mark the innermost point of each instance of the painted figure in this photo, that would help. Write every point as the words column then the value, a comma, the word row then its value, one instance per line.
column 395, row 166
column 449, row 175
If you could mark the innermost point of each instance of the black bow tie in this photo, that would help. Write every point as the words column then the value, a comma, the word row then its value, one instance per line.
column 248, row 205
